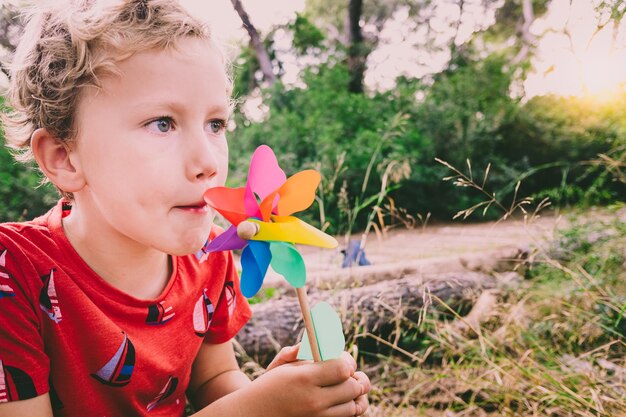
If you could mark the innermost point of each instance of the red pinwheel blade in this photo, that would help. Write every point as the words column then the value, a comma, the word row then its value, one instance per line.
column 255, row 259
column 228, row 202
column 298, row 192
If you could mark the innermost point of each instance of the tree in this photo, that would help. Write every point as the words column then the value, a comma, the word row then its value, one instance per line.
column 357, row 50
column 262, row 56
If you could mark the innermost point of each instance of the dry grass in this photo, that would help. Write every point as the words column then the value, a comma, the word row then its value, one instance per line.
column 553, row 347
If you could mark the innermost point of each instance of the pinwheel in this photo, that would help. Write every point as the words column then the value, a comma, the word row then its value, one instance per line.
column 263, row 226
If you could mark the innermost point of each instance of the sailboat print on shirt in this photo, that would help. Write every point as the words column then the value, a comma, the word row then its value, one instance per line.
column 5, row 288
column 15, row 384
column 168, row 389
column 48, row 300
column 119, row 368
column 231, row 301
column 202, row 314
column 159, row 314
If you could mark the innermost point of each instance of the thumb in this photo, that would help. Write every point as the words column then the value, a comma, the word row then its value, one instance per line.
column 286, row 355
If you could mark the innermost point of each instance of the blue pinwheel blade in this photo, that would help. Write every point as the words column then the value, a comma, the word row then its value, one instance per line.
column 287, row 261
column 255, row 259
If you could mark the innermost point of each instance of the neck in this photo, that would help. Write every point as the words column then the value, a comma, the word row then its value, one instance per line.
column 138, row 270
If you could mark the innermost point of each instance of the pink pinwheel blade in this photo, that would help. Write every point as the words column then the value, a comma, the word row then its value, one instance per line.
column 228, row 202
column 229, row 240
column 298, row 192
column 255, row 259
column 264, row 177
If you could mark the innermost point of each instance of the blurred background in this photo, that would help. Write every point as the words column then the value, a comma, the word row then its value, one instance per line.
column 370, row 92
column 419, row 114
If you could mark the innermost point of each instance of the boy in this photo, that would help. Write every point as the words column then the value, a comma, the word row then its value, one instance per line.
column 104, row 309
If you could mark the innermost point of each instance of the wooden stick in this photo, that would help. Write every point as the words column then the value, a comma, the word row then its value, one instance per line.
column 308, row 323
column 247, row 230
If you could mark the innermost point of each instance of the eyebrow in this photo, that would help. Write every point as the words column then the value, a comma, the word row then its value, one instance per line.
column 177, row 107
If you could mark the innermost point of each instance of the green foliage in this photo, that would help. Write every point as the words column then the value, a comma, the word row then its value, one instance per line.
column 21, row 199
column 466, row 113
column 305, row 34
column 21, row 196
column 326, row 127
column 557, row 139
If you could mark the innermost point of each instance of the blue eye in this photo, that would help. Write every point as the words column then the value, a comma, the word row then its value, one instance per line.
column 161, row 125
column 217, row 126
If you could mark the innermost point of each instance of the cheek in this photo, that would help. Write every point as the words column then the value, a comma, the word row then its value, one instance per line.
column 223, row 164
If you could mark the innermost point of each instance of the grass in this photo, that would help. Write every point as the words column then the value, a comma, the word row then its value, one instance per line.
column 555, row 346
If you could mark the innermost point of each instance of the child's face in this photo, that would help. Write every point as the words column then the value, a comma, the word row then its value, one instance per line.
column 150, row 142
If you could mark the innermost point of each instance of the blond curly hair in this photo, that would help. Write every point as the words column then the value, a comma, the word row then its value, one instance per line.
column 67, row 45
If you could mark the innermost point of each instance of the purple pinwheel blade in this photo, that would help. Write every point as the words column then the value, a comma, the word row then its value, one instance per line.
column 229, row 240
column 255, row 259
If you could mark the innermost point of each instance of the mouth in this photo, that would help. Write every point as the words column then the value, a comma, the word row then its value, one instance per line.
column 201, row 207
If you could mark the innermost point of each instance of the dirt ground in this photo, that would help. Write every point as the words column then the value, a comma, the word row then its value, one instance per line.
column 432, row 249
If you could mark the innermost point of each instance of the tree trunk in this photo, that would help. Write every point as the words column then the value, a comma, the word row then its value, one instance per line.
column 357, row 52
column 377, row 309
column 263, row 57
column 528, row 38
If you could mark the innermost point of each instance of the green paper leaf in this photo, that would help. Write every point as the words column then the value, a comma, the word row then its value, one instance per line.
column 287, row 261
column 329, row 332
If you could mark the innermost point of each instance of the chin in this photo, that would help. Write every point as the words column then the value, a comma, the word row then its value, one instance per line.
column 190, row 244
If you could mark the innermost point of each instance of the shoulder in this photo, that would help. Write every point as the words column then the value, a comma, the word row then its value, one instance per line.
column 26, row 239
column 20, row 233
column 25, row 248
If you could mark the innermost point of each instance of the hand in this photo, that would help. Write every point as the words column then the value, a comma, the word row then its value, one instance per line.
column 305, row 389
column 361, row 401
column 289, row 354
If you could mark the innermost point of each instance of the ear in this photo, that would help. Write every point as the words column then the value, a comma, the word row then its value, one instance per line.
column 57, row 160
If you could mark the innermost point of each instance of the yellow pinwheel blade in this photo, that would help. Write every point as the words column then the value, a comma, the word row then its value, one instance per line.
column 293, row 230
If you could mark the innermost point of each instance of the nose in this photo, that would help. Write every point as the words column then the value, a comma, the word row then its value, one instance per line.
column 202, row 161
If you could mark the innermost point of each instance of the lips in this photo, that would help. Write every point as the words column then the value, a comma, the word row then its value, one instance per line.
column 199, row 207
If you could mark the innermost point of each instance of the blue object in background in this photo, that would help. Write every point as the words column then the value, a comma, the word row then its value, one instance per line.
column 353, row 255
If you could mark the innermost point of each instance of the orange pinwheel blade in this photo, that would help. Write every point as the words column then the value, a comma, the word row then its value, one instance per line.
column 267, row 205
column 228, row 202
column 298, row 192
column 293, row 230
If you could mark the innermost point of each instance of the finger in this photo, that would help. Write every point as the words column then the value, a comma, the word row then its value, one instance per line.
column 286, row 355
column 364, row 380
column 349, row 360
column 330, row 372
column 347, row 409
column 362, row 403
column 342, row 393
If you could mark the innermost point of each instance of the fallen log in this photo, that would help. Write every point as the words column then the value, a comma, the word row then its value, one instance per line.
column 376, row 309
column 498, row 260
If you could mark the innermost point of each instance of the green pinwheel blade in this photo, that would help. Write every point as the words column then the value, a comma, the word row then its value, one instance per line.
column 287, row 261
column 329, row 333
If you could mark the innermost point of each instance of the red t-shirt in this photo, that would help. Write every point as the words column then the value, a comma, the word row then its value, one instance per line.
column 97, row 350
